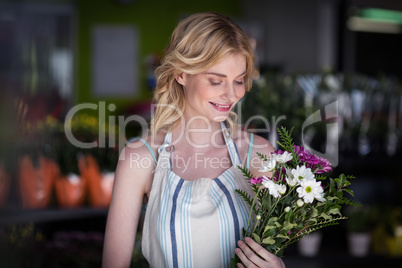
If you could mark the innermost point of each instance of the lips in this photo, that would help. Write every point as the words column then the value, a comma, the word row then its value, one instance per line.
column 221, row 107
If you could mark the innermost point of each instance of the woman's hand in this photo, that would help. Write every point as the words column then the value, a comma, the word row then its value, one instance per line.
column 263, row 258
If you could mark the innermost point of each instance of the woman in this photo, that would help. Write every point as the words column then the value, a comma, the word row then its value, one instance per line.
column 194, row 216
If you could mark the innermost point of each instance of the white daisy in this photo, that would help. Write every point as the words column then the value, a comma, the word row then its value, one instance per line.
column 274, row 189
column 310, row 190
column 282, row 158
column 303, row 173
column 268, row 166
column 290, row 179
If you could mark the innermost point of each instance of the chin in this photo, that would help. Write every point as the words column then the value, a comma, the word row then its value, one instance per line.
column 220, row 118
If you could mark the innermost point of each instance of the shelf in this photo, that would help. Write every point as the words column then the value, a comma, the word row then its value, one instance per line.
column 9, row 216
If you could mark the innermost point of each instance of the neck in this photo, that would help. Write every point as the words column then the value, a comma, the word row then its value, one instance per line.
column 198, row 132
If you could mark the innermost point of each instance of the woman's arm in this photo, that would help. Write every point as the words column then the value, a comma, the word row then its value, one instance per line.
column 131, row 182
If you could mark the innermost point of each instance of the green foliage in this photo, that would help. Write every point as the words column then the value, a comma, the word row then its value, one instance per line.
column 286, row 140
column 360, row 219
column 247, row 198
column 245, row 171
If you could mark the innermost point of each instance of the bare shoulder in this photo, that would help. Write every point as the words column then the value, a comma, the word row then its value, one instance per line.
column 262, row 145
column 249, row 147
column 137, row 162
column 259, row 144
column 146, row 147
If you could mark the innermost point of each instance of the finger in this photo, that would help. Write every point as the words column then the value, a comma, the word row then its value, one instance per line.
column 258, row 249
column 262, row 254
column 239, row 265
column 239, row 252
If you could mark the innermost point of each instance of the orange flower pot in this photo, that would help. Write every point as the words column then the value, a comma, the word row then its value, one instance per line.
column 36, row 184
column 70, row 191
column 99, row 185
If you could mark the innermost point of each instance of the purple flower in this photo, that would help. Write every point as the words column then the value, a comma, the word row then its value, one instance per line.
column 300, row 151
column 324, row 165
column 319, row 164
column 311, row 159
column 278, row 152
column 255, row 180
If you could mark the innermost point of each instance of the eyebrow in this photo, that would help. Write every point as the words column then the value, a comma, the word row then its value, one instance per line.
column 223, row 75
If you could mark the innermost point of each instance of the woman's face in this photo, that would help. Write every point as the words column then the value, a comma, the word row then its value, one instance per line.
column 213, row 93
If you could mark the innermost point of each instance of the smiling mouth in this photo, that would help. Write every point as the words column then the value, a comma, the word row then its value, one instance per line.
column 227, row 106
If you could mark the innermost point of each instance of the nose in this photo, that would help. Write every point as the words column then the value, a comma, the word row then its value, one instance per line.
column 230, row 93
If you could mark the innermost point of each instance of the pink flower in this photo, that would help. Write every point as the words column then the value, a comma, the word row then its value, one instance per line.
column 255, row 180
column 319, row 164
column 311, row 159
column 325, row 165
column 278, row 152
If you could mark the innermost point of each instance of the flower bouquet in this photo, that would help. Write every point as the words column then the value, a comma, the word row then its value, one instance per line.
column 298, row 198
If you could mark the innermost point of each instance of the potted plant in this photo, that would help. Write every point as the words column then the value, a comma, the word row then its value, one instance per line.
column 88, row 171
column 36, row 167
column 71, row 185
column 359, row 226
column 98, row 170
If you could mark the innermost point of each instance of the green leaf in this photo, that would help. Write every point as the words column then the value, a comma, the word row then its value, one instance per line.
column 331, row 185
column 326, row 216
column 340, row 180
column 262, row 156
column 272, row 220
column 256, row 238
column 289, row 216
column 287, row 225
column 330, row 198
column 335, row 211
column 314, row 213
column 339, row 193
column 350, row 192
column 269, row 227
column 268, row 241
column 283, row 236
column 270, row 232
column 245, row 172
column 314, row 220
column 349, row 202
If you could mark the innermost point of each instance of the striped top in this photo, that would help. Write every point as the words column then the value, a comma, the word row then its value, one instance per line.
column 194, row 223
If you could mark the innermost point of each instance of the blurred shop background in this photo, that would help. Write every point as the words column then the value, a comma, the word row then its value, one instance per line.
column 76, row 82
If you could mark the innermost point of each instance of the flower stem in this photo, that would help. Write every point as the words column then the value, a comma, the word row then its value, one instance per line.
column 251, row 211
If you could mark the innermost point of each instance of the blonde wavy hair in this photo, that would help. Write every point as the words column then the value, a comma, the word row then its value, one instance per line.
column 199, row 42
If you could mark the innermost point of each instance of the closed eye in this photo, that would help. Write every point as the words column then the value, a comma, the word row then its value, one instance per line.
column 239, row 82
column 215, row 83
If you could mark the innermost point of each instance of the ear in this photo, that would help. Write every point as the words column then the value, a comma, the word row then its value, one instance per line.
column 181, row 79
